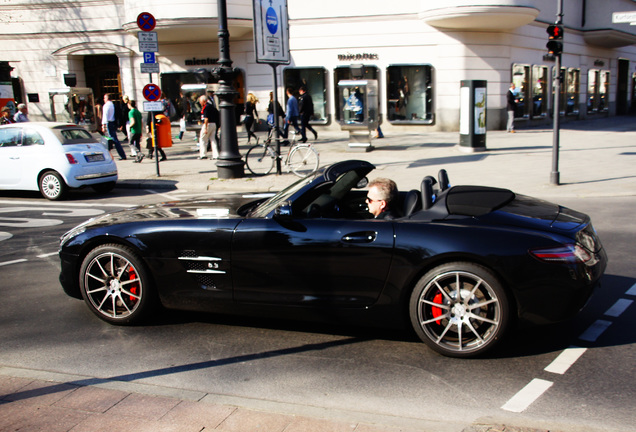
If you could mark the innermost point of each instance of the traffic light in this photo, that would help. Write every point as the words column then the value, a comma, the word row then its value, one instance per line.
column 555, row 36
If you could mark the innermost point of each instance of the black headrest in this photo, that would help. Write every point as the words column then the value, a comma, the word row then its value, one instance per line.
column 412, row 202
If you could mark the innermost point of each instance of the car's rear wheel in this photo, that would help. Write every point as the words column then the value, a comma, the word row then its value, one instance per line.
column 103, row 188
column 116, row 285
column 52, row 186
column 459, row 309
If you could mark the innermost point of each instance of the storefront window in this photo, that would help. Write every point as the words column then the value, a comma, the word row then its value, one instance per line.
column 603, row 91
column 572, row 86
column 344, row 73
column 409, row 94
column 171, row 83
column 315, row 80
column 539, row 91
column 521, row 80
column 597, row 90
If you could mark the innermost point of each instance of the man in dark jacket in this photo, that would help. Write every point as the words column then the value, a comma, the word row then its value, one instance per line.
column 511, row 107
column 306, row 109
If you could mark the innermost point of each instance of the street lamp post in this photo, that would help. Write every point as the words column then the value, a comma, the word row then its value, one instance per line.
column 230, row 163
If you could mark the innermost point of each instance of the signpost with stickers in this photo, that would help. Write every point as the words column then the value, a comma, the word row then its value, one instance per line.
column 271, row 45
column 149, row 45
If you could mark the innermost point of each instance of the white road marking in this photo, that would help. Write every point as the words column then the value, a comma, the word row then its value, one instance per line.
column 595, row 330
column 13, row 262
column 566, row 359
column 618, row 308
column 66, row 204
column 632, row 291
column 5, row 235
column 527, row 395
column 170, row 197
column 47, row 255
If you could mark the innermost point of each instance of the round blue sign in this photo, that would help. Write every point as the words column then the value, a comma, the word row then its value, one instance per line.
column 272, row 20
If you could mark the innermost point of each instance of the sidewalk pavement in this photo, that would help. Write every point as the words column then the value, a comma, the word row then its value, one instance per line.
column 597, row 159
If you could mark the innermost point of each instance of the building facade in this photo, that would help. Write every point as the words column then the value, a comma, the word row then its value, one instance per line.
column 418, row 50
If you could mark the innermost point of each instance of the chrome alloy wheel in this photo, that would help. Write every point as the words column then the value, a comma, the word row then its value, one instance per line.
column 459, row 310
column 112, row 285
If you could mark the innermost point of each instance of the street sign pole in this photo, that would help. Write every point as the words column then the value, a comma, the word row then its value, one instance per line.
column 149, row 44
column 271, row 45
column 555, row 175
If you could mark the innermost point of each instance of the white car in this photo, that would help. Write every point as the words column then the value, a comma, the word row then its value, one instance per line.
column 53, row 158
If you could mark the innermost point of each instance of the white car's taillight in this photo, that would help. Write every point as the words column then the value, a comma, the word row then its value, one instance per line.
column 71, row 159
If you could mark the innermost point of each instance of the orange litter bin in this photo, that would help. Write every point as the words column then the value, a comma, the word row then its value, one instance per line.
column 164, row 131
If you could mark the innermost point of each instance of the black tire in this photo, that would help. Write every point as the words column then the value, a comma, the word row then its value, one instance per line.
column 52, row 186
column 260, row 159
column 303, row 160
column 115, row 285
column 103, row 188
column 464, row 322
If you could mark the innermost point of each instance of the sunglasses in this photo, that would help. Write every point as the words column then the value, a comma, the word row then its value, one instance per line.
column 369, row 200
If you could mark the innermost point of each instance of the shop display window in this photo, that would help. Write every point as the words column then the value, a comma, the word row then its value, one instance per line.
column 345, row 73
column 540, row 86
column 569, row 90
column 521, row 80
column 597, row 90
column 409, row 94
column 171, row 83
column 315, row 80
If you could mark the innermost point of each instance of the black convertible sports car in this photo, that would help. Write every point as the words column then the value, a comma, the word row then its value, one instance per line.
column 461, row 265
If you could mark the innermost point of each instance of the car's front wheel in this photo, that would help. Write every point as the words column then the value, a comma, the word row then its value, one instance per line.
column 459, row 309
column 52, row 186
column 116, row 285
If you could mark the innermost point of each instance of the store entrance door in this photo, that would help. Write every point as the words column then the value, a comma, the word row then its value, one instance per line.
column 622, row 87
column 102, row 75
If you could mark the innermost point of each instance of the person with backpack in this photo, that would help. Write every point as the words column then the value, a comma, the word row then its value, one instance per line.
column 306, row 110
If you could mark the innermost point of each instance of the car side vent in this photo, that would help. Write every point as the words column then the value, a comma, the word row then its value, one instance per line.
column 203, row 268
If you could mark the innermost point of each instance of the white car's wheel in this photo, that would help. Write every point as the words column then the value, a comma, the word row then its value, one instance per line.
column 52, row 186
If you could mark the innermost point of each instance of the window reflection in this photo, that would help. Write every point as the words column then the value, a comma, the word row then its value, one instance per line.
column 409, row 94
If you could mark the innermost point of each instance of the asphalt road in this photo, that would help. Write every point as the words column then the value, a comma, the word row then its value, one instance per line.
column 351, row 371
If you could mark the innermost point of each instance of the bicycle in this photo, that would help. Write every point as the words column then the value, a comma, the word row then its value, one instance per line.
column 302, row 159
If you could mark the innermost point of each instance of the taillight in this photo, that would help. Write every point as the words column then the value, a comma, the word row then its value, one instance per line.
column 71, row 159
column 564, row 254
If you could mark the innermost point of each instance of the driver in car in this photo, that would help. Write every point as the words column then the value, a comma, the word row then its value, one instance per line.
column 382, row 198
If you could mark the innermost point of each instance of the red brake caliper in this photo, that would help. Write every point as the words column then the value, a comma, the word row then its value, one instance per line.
column 134, row 288
column 437, row 312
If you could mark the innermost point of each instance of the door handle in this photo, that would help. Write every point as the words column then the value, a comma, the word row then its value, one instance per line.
column 360, row 237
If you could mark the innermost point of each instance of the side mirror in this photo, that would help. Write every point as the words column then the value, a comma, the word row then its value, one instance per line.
column 283, row 211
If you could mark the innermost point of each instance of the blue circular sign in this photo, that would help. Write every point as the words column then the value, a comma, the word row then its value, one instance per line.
column 272, row 20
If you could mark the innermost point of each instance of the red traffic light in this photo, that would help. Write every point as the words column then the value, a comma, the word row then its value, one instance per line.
column 555, row 31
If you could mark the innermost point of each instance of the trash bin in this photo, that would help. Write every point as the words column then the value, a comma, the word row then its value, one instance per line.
column 164, row 131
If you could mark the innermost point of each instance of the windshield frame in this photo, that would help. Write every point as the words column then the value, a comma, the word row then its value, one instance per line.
column 267, row 207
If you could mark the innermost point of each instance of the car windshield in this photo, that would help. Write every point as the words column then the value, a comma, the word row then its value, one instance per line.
column 75, row 136
column 266, row 207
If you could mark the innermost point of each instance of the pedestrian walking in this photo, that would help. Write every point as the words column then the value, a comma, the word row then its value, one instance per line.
column 136, row 128
column 6, row 116
column 280, row 112
column 250, row 115
column 209, row 117
column 306, row 110
column 291, row 117
column 109, row 124
column 22, row 114
column 511, row 107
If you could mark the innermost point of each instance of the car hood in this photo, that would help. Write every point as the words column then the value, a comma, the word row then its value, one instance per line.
column 224, row 207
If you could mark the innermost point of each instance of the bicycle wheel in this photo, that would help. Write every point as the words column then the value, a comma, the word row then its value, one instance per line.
column 260, row 159
column 303, row 160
